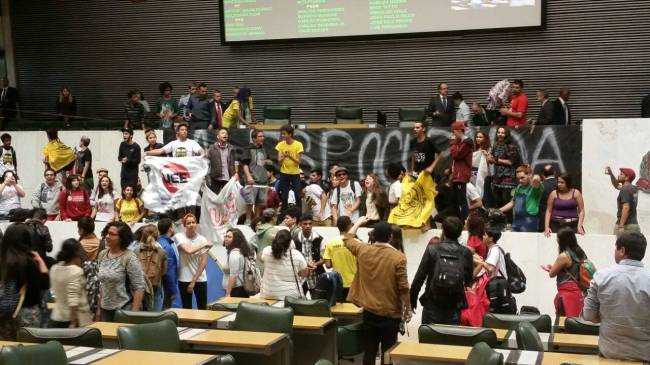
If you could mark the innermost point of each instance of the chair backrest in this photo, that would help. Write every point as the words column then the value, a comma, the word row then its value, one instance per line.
column 509, row 321
column 226, row 307
column 412, row 115
column 88, row 337
column 51, row 353
column 277, row 115
column 349, row 114
column 157, row 336
column 529, row 309
column 124, row 316
column 350, row 339
column 456, row 335
column 528, row 337
column 306, row 307
column 482, row 354
column 263, row 318
column 578, row 327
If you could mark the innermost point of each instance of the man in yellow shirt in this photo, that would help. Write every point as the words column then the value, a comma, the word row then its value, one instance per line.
column 339, row 258
column 289, row 154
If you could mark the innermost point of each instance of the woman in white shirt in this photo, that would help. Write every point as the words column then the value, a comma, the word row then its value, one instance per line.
column 68, row 283
column 10, row 192
column 284, row 268
column 193, row 251
column 103, row 201
column 233, row 272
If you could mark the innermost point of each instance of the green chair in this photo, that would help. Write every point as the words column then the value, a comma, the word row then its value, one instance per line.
column 580, row 327
column 306, row 307
column 263, row 318
column 483, row 354
column 157, row 336
column 456, row 335
column 528, row 337
column 349, row 114
column 88, row 337
column 509, row 321
column 224, row 307
column 408, row 116
column 529, row 309
column 124, row 316
column 277, row 115
column 350, row 340
column 50, row 353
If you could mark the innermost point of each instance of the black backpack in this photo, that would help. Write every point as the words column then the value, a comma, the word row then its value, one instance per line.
column 516, row 277
column 448, row 281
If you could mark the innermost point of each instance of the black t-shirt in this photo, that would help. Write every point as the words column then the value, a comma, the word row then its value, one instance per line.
column 628, row 194
column 82, row 158
column 424, row 153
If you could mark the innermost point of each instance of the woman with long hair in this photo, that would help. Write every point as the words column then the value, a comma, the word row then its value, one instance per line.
column 569, row 298
column 193, row 251
column 240, row 110
column 68, row 283
column 20, row 267
column 375, row 199
column 129, row 209
column 284, row 268
column 565, row 207
column 103, row 201
column 153, row 260
column 481, row 174
column 505, row 158
column 10, row 192
column 476, row 229
column 74, row 200
column 91, row 246
column 117, row 264
column 233, row 272
column 66, row 105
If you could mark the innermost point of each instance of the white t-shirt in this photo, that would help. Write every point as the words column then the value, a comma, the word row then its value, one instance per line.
column 313, row 194
column 394, row 192
column 496, row 259
column 471, row 193
column 347, row 199
column 189, row 264
column 9, row 200
column 279, row 278
column 187, row 148
column 234, row 266
column 105, row 206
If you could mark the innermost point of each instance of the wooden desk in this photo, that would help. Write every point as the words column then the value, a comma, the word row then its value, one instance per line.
column 233, row 300
column 108, row 329
column 346, row 310
column 551, row 341
column 237, row 339
column 202, row 318
column 560, row 323
column 408, row 352
column 155, row 358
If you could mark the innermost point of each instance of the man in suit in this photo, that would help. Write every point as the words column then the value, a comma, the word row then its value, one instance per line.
column 8, row 103
column 562, row 110
column 217, row 108
column 550, row 184
column 441, row 107
column 546, row 114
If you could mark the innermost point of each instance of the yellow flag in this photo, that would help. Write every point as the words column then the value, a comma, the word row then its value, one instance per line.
column 416, row 203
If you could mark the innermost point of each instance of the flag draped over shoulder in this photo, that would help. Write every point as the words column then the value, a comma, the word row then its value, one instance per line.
column 174, row 182
column 219, row 212
column 416, row 204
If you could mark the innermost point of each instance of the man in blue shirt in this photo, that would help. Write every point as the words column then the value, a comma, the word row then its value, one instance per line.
column 170, row 278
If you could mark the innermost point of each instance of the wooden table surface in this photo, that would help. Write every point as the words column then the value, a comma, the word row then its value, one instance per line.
column 346, row 309
column 560, row 323
column 236, row 338
column 311, row 323
column 154, row 358
column 108, row 329
column 571, row 340
column 198, row 315
column 233, row 300
column 458, row 354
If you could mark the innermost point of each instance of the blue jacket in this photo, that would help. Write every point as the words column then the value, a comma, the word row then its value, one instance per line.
column 170, row 279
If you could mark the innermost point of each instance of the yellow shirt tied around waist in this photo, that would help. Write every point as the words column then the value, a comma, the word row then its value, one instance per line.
column 343, row 262
column 294, row 150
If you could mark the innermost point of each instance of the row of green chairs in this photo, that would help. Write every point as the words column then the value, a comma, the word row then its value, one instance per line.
column 343, row 114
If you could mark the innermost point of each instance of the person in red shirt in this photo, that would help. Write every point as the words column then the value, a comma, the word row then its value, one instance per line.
column 518, row 106
column 461, row 149
column 74, row 201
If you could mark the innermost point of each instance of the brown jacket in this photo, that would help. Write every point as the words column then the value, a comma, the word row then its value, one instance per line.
column 380, row 279
column 90, row 244
column 215, row 161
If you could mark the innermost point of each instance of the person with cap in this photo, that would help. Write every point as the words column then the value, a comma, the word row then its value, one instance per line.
column 346, row 197
column 628, row 197
column 101, row 172
column 461, row 149
column 447, row 269
column 129, row 156
column 380, row 287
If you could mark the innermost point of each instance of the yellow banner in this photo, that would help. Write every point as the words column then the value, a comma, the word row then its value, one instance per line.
column 416, row 204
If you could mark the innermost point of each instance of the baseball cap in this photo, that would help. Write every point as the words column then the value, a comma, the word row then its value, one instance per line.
column 628, row 172
column 127, row 130
column 458, row 126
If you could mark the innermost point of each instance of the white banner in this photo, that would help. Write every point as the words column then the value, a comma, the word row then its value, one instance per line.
column 219, row 212
column 174, row 182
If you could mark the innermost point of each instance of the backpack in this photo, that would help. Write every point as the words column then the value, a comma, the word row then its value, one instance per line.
column 147, row 298
column 585, row 272
column 252, row 277
column 329, row 286
column 338, row 192
column 516, row 277
column 11, row 299
column 448, row 281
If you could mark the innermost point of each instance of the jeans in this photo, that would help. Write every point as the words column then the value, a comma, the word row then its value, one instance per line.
column 290, row 182
column 525, row 224
column 460, row 200
column 200, row 292
column 432, row 313
column 378, row 330
column 158, row 299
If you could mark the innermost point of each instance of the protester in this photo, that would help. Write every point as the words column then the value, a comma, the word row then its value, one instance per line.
column 339, row 258
column 550, row 185
column 66, row 105
column 240, row 110
column 565, row 207
column 239, row 251
column 618, row 299
column 166, row 110
column 153, row 260
column 292, row 220
column 103, row 201
column 84, row 163
column 47, row 195
column 8, row 154
column 129, row 208
column 375, row 200
column 41, row 240
column 380, row 287
column 289, row 155
column 170, row 279
column 310, row 244
column 460, row 150
column 129, row 156
column 627, row 200
column 424, row 153
column 57, row 156
column 265, row 232
column 316, row 201
column 180, row 147
column 87, row 239
column 74, row 200
column 346, row 197
column 396, row 239
column 395, row 173
column 152, row 140
column 116, row 265
column 481, row 170
column 134, row 111
column 525, row 201
column 476, row 229
column 501, row 299
column 10, row 193
column 505, row 158
column 253, row 160
column 68, row 285
column 568, row 301
column 284, row 268
column 192, row 278
column 222, row 162
column 91, row 247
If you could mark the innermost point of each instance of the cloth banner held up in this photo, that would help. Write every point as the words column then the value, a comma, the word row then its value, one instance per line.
column 219, row 212
column 174, row 182
column 417, row 202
